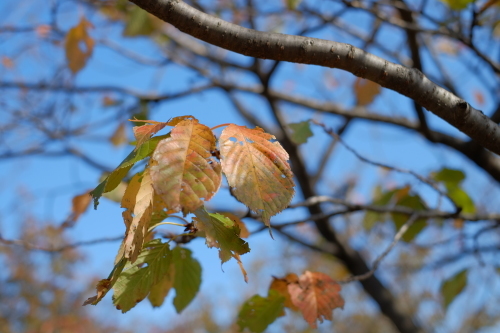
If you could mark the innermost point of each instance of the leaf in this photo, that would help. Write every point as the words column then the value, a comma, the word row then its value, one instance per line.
column 80, row 203
column 160, row 290
column 365, row 91
column 453, row 286
column 316, row 295
column 300, row 132
column 281, row 286
column 221, row 232
column 78, row 45
column 143, row 209
column 115, row 178
column 452, row 179
column 458, row 4
column 103, row 286
column 414, row 202
column 119, row 136
column 292, row 4
column 244, row 233
column 138, row 23
column 186, row 174
column 257, row 170
column 135, row 283
column 187, row 277
column 259, row 312
column 145, row 132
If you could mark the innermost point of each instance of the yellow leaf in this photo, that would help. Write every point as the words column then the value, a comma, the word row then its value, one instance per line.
column 78, row 45
column 119, row 137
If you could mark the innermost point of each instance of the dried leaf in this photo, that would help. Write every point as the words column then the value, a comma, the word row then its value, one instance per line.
column 257, row 170
column 145, row 132
column 365, row 91
column 119, row 136
column 80, row 204
column 281, row 286
column 186, row 173
column 259, row 312
column 78, row 46
column 103, row 286
column 316, row 295
column 143, row 209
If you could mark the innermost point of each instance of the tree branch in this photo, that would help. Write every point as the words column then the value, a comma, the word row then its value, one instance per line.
column 409, row 82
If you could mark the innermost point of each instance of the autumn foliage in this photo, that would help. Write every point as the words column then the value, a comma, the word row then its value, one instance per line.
column 184, row 170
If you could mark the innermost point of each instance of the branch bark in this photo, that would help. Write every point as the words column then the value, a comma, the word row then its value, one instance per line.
column 407, row 81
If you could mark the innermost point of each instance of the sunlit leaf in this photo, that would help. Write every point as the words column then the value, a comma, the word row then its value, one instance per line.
column 115, row 178
column 366, row 91
column 80, row 203
column 316, row 295
column 259, row 312
column 257, row 170
column 186, row 174
column 221, row 232
column 187, row 277
column 78, row 45
column 135, row 283
column 142, row 211
column 300, row 132
column 244, row 233
column 145, row 132
column 453, row 286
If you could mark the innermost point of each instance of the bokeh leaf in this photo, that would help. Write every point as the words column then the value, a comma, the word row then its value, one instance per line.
column 186, row 174
column 78, row 45
column 365, row 91
column 300, row 132
column 257, row 170
column 453, row 286
column 316, row 295
column 259, row 312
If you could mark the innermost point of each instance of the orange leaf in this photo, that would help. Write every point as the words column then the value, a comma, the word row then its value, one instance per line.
column 79, row 46
column 257, row 170
column 80, row 204
column 143, row 208
column 145, row 132
column 281, row 286
column 366, row 91
column 186, row 174
column 316, row 295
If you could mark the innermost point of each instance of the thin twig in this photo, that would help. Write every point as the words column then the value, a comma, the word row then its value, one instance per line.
column 34, row 247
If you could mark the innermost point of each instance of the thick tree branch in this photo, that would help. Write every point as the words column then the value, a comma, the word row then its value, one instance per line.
column 409, row 82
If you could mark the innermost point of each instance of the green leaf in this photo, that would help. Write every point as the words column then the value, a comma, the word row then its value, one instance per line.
column 115, row 178
column 135, row 283
column 416, row 203
column 139, row 23
column 452, row 179
column 449, row 177
column 187, row 277
column 292, row 4
column 259, row 312
column 103, row 286
column 453, row 286
column 458, row 4
column 300, row 132
column 221, row 232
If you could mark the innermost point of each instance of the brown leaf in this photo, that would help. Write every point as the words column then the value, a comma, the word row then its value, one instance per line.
column 119, row 136
column 316, row 295
column 80, row 203
column 186, row 173
column 366, row 91
column 257, row 170
column 142, row 215
column 281, row 286
column 78, row 45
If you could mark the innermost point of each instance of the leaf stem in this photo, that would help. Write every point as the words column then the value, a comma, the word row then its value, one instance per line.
column 221, row 125
column 165, row 223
